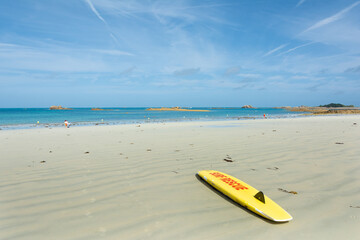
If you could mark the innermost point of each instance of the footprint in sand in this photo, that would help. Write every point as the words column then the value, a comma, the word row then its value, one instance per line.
column 102, row 230
column 88, row 214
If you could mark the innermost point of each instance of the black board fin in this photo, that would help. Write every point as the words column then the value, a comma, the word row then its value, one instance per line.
column 260, row 196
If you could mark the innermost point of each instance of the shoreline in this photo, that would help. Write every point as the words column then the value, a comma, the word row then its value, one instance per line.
column 125, row 116
column 147, row 121
column 127, row 122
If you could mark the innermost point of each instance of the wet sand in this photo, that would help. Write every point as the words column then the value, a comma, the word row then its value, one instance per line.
column 139, row 181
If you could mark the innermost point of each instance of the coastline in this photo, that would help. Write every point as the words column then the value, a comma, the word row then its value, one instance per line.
column 138, row 181
column 39, row 118
column 154, row 121
column 144, row 121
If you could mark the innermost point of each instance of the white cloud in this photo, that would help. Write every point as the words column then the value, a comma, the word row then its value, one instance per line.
column 300, row 3
column 186, row 72
column 56, row 58
column 300, row 77
column 232, row 71
column 113, row 52
column 332, row 18
column 249, row 75
column 95, row 11
column 275, row 50
column 294, row 48
column 276, row 77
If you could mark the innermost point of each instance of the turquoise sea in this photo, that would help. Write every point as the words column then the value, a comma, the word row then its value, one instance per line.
column 11, row 118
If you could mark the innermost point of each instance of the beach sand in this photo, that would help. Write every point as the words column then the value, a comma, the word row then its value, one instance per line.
column 139, row 181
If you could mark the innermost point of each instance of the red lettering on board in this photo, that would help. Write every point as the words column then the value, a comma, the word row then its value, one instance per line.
column 229, row 181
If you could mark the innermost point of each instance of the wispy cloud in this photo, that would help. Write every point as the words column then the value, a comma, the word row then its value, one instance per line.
column 249, row 75
column 315, row 87
column 95, row 11
column 275, row 50
column 128, row 70
column 353, row 70
column 5, row 45
column 186, row 72
column 55, row 58
column 275, row 78
column 300, row 3
column 232, row 71
column 332, row 18
column 113, row 52
column 294, row 48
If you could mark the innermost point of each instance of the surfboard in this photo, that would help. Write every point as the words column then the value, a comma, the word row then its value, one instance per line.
column 245, row 195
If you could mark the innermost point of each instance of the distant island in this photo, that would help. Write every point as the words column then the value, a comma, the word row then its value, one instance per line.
column 176, row 109
column 59, row 108
column 247, row 106
column 336, row 105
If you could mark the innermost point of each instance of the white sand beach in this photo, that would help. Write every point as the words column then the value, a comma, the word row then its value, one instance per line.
column 139, row 181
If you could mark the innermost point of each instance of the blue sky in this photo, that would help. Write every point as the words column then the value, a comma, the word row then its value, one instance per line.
column 112, row 53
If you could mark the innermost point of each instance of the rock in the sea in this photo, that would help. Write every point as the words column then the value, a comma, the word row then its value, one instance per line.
column 59, row 108
column 247, row 106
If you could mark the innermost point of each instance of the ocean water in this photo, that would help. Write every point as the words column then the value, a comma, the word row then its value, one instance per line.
column 43, row 117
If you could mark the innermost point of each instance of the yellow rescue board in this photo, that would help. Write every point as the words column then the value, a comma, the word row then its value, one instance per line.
column 245, row 195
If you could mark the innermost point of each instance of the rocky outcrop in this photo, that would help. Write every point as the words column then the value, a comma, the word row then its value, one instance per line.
column 305, row 109
column 247, row 106
column 59, row 108
column 97, row 109
column 338, row 111
column 324, row 110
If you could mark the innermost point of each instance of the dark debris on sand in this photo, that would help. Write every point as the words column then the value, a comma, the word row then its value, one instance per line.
column 273, row 168
column 228, row 159
column 286, row 191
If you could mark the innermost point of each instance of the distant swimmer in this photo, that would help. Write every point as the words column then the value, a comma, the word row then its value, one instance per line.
column 67, row 124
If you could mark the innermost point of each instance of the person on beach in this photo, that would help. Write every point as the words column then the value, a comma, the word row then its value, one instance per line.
column 67, row 124
column 264, row 116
